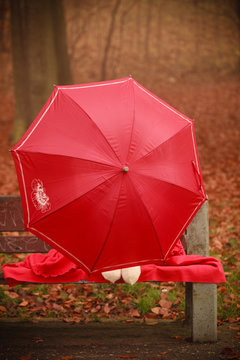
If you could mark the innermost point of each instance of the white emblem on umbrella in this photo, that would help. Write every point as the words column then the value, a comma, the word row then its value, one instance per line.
column 39, row 197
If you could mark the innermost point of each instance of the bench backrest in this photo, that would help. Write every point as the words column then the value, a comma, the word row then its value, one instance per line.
column 196, row 239
column 11, row 220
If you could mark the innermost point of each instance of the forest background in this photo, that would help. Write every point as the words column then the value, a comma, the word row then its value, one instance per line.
column 187, row 52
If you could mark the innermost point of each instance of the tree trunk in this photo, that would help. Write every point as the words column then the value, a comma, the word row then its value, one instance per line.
column 40, row 59
column 109, row 39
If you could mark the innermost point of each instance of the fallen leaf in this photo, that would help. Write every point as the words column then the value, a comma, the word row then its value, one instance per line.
column 78, row 309
column 109, row 296
column 176, row 337
column 58, row 307
column 156, row 310
column 134, row 313
column 26, row 357
column 106, row 309
column 232, row 320
column 149, row 316
column 23, row 303
column 234, row 328
column 11, row 294
column 166, row 304
column 95, row 309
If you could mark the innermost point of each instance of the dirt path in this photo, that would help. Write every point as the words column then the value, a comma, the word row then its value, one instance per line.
column 48, row 340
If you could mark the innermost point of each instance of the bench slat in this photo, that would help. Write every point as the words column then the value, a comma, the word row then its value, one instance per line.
column 11, row 214
column 22, row 244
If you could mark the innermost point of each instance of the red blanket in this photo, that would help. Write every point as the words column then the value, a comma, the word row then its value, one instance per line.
column 53, row 267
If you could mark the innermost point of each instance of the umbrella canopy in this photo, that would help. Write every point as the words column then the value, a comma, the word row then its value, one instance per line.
column 109, row 175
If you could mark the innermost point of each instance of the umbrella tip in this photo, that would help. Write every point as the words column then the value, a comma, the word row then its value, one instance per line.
column 125, row 169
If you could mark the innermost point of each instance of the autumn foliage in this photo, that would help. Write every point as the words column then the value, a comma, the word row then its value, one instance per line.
column 205, row 86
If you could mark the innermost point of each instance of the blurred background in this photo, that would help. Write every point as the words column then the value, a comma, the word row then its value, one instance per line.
column 185, row 51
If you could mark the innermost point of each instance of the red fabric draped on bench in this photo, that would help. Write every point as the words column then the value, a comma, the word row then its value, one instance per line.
column 53, row 267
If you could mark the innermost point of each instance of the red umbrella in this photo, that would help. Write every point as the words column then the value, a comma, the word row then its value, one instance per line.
column 109, row 175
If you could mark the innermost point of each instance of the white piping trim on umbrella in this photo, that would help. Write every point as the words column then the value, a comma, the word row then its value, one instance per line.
column 119, row 266
column 89, row 86
column 196, row 158
column 38, row 122
column 24, row 186
column 161, row 102
column 194, row 147
column 62, row 87
column 39, row 232
column 21, row 168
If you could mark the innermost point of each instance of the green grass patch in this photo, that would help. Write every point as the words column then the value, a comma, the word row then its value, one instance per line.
column 41, row 289
column 228, row 297
column 144, row 295
column 5, row 300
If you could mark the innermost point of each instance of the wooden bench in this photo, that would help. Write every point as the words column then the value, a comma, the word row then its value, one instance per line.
column 201, row 298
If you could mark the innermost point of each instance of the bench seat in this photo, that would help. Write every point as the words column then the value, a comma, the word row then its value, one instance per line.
column 199, row 271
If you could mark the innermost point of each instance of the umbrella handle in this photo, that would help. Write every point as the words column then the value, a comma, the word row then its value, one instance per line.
column 197, row 174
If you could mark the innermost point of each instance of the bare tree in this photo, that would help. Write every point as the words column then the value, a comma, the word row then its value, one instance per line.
column 109, row 38
column 40, row 57
column 3, row 23
column 148, row 29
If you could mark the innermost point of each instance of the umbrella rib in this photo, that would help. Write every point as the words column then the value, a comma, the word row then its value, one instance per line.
column 59, row 246
column 90, row 85
column 69, row 97
column 166, row 181
column 110, row 228
column 149, row 217
column 79, row 197
column 67, row 156
column 164, row 142
column 161, row 101
column 133, row 119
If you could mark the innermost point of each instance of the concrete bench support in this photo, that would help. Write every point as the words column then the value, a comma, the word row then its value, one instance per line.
column 201, row 298
column 204, row 312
